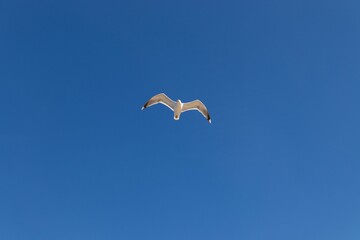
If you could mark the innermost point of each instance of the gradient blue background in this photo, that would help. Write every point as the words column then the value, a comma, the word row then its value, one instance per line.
column 80, row 160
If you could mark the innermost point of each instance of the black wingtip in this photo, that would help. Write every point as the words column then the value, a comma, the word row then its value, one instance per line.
column 145, row 105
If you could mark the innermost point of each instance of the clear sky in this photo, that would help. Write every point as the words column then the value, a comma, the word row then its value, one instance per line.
column 80, row 160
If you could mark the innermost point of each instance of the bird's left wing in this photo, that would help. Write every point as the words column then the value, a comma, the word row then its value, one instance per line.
column 197, row 105
column 160, row 98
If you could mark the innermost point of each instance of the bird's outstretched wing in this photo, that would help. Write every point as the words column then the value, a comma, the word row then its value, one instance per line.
column 197, row 105
column 160, row 98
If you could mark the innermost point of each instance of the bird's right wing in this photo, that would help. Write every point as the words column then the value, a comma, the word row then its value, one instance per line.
column 160, row 98
column 197, row 105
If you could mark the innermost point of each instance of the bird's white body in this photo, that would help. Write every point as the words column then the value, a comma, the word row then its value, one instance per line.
column 178, row 107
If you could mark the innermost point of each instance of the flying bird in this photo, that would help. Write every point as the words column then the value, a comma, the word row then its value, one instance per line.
column 178, row 107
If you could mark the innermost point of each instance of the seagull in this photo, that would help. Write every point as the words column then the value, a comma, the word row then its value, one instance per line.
column 178, row 107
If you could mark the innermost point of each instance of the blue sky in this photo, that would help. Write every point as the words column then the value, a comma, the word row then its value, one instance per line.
column 80, row 160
